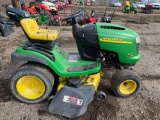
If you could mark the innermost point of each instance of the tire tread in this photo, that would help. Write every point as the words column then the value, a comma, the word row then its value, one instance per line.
column 36, row 69
column 118, row 78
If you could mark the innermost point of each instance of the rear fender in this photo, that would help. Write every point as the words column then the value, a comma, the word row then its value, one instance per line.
column 26, row 57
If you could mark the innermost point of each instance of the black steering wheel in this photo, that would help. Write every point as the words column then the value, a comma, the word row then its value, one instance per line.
column 72, row 16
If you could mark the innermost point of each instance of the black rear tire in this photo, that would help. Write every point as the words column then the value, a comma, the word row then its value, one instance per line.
column 35, row 76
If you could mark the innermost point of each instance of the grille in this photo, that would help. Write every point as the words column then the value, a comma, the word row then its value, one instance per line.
column 112, row 27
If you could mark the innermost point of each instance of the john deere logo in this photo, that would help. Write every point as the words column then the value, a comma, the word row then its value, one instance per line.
column 114, row 40
column 111, row 39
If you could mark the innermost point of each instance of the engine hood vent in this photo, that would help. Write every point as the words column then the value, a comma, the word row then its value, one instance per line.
column 112, row 27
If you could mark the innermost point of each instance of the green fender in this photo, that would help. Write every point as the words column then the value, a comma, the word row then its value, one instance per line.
column 60, row 63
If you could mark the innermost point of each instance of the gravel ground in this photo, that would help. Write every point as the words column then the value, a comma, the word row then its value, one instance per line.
column 143, row 106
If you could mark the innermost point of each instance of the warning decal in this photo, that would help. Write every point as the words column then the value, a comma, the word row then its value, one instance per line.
column 72, row 100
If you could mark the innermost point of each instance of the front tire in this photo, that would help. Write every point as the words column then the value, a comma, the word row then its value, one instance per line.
column 32, row 83
column 125, row 84
column 135, row 12
column 129, row 11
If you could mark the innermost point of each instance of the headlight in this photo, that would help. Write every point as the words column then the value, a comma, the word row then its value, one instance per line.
column 138, row 40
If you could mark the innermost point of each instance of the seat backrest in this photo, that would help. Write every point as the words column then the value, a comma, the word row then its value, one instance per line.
column 35, row 34
column 29, row 26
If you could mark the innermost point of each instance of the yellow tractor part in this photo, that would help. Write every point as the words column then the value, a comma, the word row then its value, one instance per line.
column 94, row 80
column 91, row 80
column 128, row 87
column 30, row 87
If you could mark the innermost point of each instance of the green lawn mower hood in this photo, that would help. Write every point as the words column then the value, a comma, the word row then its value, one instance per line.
column 122, row 40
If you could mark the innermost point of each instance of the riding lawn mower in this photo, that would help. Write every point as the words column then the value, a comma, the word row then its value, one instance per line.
column 106, row 17
column 15, row 14
column 86, row 19
column 130, row 9
column 74, row 76
column 80, row 2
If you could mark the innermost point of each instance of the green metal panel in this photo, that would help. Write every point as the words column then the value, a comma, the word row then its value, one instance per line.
column 133, row 7
column 127, row 8
column 62, row 63
column 118, row 39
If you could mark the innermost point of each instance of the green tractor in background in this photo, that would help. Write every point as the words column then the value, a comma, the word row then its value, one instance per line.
column 80, row 2
column 74, row 76
column 130, row 9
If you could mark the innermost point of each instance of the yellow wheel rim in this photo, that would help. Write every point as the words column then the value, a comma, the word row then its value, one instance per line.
column 30, row 87
column 128, row 87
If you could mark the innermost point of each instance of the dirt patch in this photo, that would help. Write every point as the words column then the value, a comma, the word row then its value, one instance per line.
column 66, row 29
column 136, row 22
column 5, row 94
column 150, row 77
column 42, row 112
column 151, row 112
